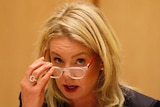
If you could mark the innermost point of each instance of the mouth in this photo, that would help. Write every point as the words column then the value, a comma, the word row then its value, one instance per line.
column 70, row 88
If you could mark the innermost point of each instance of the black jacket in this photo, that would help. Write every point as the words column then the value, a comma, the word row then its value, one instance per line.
column 132, row 99
column 135, row 99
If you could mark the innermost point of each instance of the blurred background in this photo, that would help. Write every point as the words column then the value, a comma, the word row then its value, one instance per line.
column 136, row 23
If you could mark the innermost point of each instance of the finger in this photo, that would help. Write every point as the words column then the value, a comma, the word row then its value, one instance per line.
column 32, row 67
column 41, row 70
column 36, row 64
column 44, row 80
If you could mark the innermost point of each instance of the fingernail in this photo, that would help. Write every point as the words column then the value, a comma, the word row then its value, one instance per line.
column 48, row 63
column 42, row 58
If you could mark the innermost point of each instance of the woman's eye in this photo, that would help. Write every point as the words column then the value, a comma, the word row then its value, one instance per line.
column 80, row 61
column 58, row 60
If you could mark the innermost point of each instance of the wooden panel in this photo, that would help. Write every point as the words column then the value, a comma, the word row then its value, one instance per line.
column 137, row 26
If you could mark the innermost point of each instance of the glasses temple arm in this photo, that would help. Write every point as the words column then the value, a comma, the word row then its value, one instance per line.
column 89, row 64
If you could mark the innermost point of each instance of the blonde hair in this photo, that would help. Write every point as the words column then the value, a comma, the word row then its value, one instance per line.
column 85, row 23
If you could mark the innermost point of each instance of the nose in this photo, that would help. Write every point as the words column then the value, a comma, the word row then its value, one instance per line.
column 65, row 74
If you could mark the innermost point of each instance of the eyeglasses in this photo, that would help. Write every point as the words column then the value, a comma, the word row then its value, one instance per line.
column 72, row 72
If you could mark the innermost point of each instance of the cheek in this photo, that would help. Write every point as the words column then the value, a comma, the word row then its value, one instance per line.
column 91, row 77
column 94, row 70
column 93, row 73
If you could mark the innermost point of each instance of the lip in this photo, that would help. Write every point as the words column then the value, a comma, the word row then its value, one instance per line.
column 73, row 88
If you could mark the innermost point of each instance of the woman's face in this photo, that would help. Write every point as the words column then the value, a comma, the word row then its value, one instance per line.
column 65, row 53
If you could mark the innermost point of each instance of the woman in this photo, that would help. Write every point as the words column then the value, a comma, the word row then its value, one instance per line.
column 80, row 59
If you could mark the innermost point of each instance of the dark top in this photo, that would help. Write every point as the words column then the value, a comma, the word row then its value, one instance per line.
column 132, row 99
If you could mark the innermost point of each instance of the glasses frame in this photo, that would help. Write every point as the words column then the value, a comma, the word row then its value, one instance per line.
column 67, row 70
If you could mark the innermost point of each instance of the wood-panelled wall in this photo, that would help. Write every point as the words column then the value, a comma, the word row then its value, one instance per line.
column 137, row 25
column 135, row 22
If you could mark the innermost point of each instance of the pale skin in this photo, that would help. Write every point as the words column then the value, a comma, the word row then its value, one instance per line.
column 63, row 53
column 33, row 93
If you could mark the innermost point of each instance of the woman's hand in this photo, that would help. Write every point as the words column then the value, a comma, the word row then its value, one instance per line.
column 33, row 91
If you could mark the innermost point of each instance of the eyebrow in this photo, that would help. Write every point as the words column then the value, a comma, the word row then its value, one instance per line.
column 55, row 53
column 81, row 53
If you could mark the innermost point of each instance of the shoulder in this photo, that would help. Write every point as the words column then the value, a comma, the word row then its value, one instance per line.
column 136, row 99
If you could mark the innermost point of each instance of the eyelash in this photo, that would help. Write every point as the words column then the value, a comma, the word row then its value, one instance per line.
column 58, row 60
column 79, row 61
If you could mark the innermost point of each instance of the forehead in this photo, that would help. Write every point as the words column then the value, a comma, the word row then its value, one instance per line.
column 67, row 45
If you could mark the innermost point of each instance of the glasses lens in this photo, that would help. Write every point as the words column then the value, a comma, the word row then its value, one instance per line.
column 56, row 72
column 76, row 72
column 73, row 72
